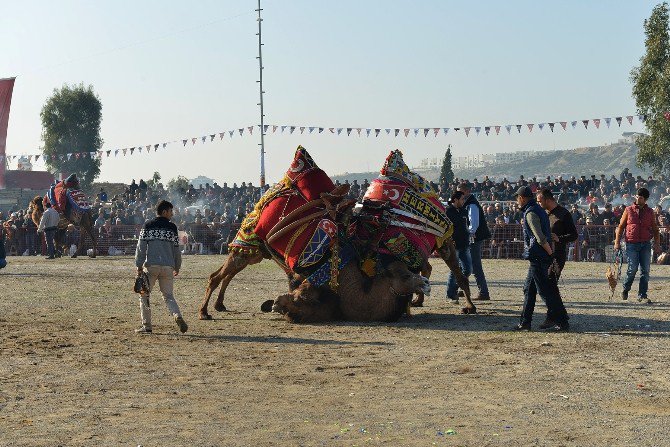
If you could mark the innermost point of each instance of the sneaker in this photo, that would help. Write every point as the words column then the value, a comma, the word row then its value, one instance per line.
column 644, row 300
column 547, row 324
column 183, row 327
column 143, row 330
column 624, row 295
column 522, row 327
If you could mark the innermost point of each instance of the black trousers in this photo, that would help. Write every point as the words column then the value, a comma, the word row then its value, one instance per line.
column 539, row 280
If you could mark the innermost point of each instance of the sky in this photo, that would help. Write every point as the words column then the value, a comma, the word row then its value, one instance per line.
column 167, row 71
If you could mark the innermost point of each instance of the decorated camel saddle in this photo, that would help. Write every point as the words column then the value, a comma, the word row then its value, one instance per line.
column 296, row 220
column 401, row 216
column 67, row 193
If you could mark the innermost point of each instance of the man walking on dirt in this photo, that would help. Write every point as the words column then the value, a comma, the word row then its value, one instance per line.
column 158, row 251
column 540, row 278
column 639, row 225
column 479, row 232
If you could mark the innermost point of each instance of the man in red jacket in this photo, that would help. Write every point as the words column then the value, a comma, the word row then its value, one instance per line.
column 639, row 226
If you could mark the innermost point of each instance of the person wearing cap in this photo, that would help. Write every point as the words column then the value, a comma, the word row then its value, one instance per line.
column 479, row 232
column 49, row 225
column 639, row 227
column 537, row 250
column 459, row 218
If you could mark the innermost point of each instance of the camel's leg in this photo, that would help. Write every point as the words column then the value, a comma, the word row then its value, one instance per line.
column 448, row 254
column 426, row 270
column 235, row 263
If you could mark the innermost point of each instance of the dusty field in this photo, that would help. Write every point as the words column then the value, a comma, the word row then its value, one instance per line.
column 73, row 373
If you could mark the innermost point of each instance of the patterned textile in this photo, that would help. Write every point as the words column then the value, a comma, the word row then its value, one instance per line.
column 407, row 212
column 59, row 196
column 160, row 234
column 325, row 274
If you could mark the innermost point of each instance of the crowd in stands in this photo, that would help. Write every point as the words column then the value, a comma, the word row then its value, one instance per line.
column 209, row 215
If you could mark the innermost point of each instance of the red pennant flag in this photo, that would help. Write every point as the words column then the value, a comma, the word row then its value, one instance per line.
column 596, row 121
column 193, row 140
column 497, row 128
column 586, row 124
column 436, row 130
column 530, row 127
column 251, row 130
column 274, row 129
column 563, row 124
column 630, row 120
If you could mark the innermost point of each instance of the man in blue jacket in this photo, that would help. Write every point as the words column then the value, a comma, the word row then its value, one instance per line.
column 537, row 250
column 479, row 232
column 158, row 251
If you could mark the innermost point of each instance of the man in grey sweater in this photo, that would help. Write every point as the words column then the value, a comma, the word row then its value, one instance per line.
column 158, row 251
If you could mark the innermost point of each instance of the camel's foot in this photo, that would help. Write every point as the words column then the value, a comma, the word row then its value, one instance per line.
column 219, row 307
column 204, row 315
column 469, row 310
column 267, row 306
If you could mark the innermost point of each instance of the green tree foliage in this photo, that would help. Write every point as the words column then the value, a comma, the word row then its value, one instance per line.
column 179, row 183
column 446, row 174
column 71, row 124
column 154, row 180
column 651, row 90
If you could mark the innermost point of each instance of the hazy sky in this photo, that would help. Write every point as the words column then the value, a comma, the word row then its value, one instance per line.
column 167, row 70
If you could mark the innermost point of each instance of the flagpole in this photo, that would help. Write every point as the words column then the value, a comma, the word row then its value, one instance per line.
column 260, row 88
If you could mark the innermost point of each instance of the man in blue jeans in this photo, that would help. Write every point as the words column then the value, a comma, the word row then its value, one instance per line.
column 459, row 218
column 638, row 223
column 479, row 232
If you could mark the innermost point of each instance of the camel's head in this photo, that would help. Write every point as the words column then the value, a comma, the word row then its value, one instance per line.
column 404, row 282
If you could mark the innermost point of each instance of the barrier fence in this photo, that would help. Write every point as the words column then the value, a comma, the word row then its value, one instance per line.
column 595, row 242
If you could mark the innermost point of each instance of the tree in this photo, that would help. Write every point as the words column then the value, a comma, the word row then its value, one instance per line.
column 446, row 174
column 71, row 125
column 154, row 180
column 651, row 90
column 179, row 183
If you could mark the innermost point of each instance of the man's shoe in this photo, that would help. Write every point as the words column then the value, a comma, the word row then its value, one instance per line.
column 624, row 295
column 183, row 327
column 563, row 327
column 481, row 297
column 644, row 300
column 143, row 330
column 522, row 327
column 547, row 324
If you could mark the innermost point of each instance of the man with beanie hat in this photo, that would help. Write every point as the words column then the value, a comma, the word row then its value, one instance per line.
column 639, row 226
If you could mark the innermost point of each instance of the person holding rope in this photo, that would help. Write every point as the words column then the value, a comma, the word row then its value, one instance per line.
column 639, row 226
column 541, row 276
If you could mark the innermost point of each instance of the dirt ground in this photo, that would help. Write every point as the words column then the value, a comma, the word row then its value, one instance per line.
column 73, row 372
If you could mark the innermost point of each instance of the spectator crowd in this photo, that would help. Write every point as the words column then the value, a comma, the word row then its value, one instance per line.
column 208, row 216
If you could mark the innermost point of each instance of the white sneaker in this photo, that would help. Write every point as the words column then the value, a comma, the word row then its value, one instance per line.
column 143, row 330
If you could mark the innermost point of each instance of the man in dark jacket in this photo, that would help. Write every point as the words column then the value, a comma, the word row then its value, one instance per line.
column 563, row 230
column 3, row 255
column 459, row 218
column 158, row 251
column 479, row 232
column 538, row 251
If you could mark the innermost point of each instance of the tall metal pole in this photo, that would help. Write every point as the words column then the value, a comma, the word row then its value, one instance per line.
column 260, row 84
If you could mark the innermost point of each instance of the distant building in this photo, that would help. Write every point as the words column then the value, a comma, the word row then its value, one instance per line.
column 630, row 137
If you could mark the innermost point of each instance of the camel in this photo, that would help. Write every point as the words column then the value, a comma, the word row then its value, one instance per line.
column 83, row 220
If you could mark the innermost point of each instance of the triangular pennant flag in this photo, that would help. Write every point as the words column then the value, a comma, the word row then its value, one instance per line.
column 251, row 130
column 331, row 129
column 618, row 120
column 184, row 141
column 630, row 119
column 339, row 130
column 563, row 124
column 551, row 126
column 231, row 133
column 164, row 144
column 425, row 132
column 116, row 153
column 487, row 129
column 574, row 124
column 445, row 130
column 377, row 132
column 477, row 129
column 291, row 129
column 396, row 132
column 108, row 152
column 240, row 131
column 139, row 149
column 302, row 129
column 132, row 149
column 283, row 128
column 467, row 131
column 320, row 129
column 497, row 128
column 349, row 131
column 221, row 135
column 193, row 140
column 311, row 129
column 211, row 137
column 124, row 150
column 436, row 130
column 607, row 121
column 416, row 132
column 530, row 127
column 274, row 129
column 596, row 121
column 367, row 131
column 388, row 131
column 642, row 118
column 406, row 132
column 541, row 126
column 93, row 154
column 518, row 128
column 155, row 147
column 508, row 128
column 586, row 124
column 265, row 128
column 358, row 129
column 30, row 158
column 37, row 157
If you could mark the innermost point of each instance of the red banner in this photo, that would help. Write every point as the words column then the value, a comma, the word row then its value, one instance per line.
column 6, row 89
